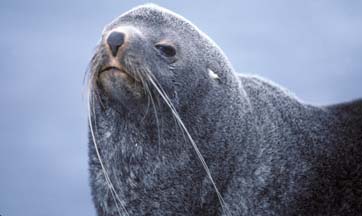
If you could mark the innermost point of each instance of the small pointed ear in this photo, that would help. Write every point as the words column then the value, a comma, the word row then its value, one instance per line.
column 212, row 74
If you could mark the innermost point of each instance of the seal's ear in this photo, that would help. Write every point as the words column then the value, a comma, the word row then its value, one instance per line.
column 212, row 74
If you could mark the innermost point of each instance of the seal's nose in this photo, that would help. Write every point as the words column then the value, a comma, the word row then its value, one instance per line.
column 114, row 41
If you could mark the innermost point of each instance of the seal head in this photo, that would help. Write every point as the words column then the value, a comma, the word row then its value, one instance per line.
column 164, row 45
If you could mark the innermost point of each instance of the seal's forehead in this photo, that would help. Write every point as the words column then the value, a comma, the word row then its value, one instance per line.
column 151, row 15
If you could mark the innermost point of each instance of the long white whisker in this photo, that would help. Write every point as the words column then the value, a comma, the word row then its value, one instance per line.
column 149, row 94
column 105, row 173
column 157, row 119
column 175, row 113
column 157, row 124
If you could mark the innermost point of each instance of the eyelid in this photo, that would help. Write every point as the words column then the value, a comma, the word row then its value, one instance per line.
column 166, row 42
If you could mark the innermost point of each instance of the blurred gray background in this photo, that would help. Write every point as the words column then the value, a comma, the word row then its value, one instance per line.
column 312, row 47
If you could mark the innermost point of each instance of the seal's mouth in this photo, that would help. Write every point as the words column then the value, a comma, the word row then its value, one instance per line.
column 116, row 72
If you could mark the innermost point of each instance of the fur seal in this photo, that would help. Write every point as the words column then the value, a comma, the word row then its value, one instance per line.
column 175, row 131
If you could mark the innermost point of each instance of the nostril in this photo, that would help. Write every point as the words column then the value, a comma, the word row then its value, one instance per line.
column 115, row 40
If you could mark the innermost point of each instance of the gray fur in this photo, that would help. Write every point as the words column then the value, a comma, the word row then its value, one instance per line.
column 268, row 153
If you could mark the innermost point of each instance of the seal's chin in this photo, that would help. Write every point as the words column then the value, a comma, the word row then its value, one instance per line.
column 114, row 73
column 118, row 84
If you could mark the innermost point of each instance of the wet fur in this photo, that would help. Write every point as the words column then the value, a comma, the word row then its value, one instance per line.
column 268, row 153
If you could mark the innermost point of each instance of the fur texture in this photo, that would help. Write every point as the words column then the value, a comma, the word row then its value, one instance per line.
column 268, row 153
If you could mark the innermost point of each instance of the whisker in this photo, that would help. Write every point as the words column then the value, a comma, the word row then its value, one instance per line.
column 146, row 89
column 201, row 158
column 157, row 124
column 157, row 120
column 109, row 184
column 139, row 72
column 105, row 173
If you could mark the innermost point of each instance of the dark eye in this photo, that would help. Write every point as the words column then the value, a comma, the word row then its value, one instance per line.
column 166, row 50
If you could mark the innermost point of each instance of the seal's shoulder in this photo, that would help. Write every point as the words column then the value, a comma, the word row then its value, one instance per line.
column 349, row 111
column 352, row 107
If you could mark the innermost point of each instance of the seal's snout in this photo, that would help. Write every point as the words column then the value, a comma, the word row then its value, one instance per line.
column 116, row 75
column 115, row 40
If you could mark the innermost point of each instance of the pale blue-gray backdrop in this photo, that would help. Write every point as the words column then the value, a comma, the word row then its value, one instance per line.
column 312, row 47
